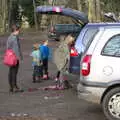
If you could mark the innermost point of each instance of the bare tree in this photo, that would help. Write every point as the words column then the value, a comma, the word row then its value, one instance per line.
column 91, row 10
column 94, row 10
column 81, row 5
column 98, row 11
column 35, row 16
column 9, row 13
column 3, row 15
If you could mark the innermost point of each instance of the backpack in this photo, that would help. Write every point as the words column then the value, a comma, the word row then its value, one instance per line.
column 10, row 58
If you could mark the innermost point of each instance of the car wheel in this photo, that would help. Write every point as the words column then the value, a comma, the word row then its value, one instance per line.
column 111, row 104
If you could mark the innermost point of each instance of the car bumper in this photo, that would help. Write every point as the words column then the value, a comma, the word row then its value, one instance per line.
column 90, row 94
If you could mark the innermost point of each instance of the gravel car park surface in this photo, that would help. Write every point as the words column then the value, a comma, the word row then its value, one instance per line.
column 35, row 103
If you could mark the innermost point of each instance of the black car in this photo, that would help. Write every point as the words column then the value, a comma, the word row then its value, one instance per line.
column 57, row 30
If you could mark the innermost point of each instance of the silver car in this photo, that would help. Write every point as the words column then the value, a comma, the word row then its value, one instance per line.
column 100, row 70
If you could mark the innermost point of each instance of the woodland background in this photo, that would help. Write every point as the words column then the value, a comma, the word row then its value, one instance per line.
column 22, row 12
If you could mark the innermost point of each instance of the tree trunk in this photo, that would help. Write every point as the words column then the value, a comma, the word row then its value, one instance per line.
column 98, row 11
column 0, row 16
column 3, row 15
column 44, row 20
column 35, row 16
column 81, row 5
column 92, row 10
column 9, row 14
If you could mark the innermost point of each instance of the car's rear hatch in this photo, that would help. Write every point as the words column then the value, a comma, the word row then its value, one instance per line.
column 80, row 17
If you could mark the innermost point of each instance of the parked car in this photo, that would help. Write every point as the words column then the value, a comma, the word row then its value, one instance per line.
column 98, row 45
column 100, row 69
column 57, row 30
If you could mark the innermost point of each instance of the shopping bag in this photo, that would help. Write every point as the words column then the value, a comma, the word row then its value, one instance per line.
column 10, row 58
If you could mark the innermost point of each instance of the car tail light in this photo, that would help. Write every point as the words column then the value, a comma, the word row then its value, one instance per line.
column 57, row 9
column 73, row 52
column 86, row 65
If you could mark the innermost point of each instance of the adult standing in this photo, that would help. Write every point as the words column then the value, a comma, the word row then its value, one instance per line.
column 61, row 59
column 14, row 44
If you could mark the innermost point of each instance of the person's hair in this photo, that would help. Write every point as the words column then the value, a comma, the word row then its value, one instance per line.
column 69, row 38
column 36, row 46
column 44, row 41
column 14, row 28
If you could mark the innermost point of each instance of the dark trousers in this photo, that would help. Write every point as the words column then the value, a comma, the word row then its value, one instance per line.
column 45, row 66
column 12, row 76
column 58, row 74
column 61, row 81
column 37, row 72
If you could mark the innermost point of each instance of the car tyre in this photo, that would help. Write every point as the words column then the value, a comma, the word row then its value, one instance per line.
column 111, row 104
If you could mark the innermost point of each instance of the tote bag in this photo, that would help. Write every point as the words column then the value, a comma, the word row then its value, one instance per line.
column 10, row 58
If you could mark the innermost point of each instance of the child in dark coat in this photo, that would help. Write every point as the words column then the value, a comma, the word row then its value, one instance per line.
column 44, row 58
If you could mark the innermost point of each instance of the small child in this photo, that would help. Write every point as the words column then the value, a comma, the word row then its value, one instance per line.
column 45, row 52
column 36, row 63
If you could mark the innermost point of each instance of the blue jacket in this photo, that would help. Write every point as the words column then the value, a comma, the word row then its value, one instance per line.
column 44, row 52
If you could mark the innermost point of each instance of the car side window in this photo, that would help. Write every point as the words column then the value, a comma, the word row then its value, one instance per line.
column 112, row 47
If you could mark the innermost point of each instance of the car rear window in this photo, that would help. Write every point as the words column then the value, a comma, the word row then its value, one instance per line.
column 89, row 35
column 85, row 38
column 88, row 38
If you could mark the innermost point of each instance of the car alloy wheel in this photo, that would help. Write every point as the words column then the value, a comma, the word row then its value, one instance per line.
column 114, row 105
column 111, row 104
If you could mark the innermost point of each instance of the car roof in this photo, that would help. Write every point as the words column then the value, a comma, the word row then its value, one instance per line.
column 66, row 25
column 102, row 24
